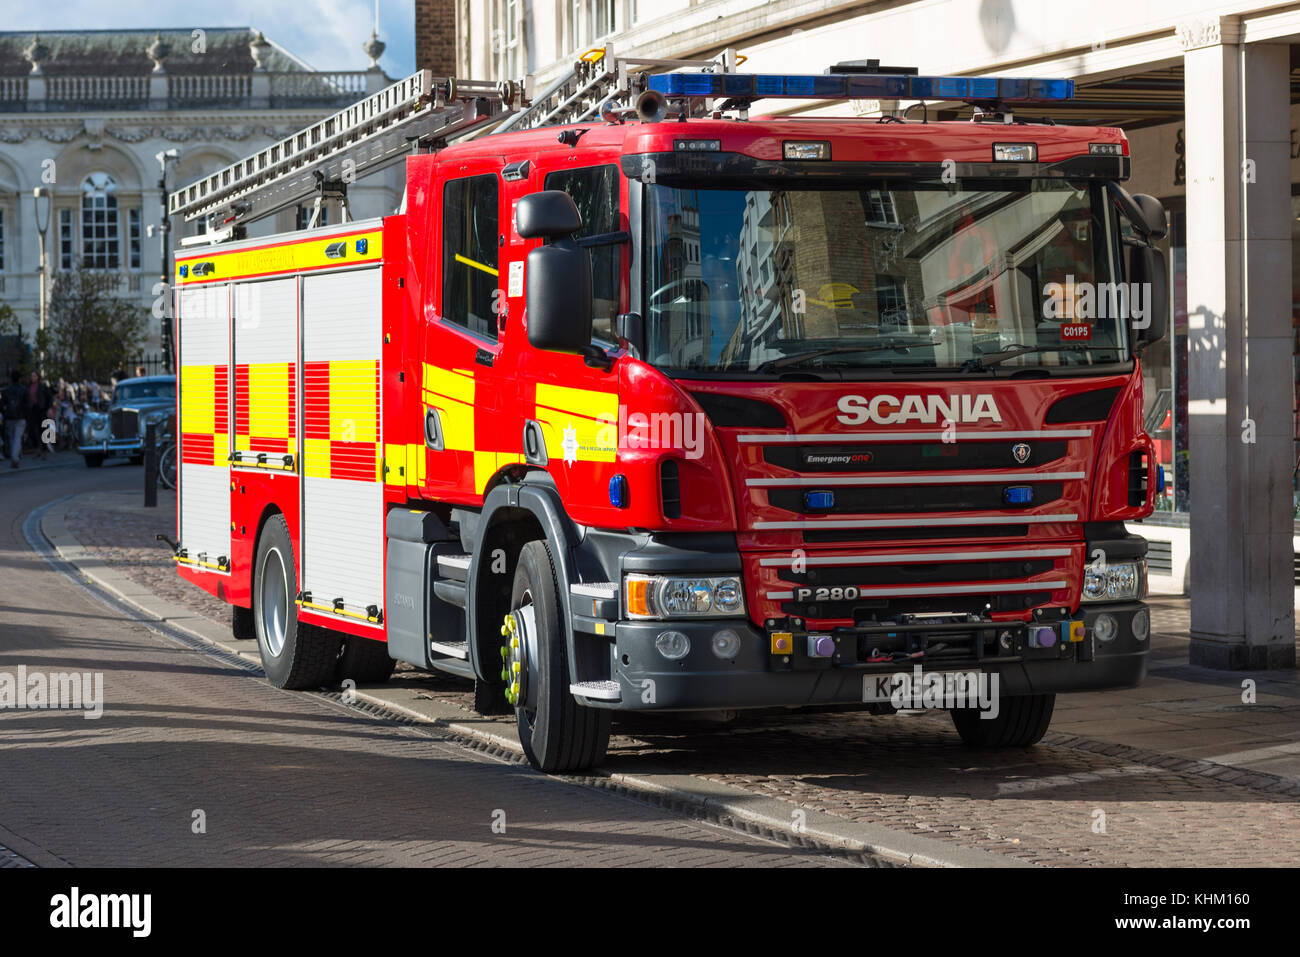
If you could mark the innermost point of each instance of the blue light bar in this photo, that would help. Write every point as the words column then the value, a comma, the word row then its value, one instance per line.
column 884, row 86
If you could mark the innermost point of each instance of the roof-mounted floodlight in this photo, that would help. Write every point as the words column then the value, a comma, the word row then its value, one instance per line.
column 839, row 86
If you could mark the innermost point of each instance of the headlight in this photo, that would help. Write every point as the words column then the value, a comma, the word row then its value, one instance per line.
column 96, row 423
column 662, row 596
column 1115, row 582
column 153, row 418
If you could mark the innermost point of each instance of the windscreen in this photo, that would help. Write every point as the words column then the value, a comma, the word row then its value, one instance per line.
column 918, row 275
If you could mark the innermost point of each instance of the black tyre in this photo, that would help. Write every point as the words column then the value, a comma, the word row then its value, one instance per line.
column 137, row 460
column 364, row 660
column 294, row 655
column 93, row 461
column 556, row 732
column 241, row 623
column 1022, row 721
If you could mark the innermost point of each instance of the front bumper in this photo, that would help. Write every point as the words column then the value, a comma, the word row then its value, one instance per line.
column 111, row 447
column 756, row 678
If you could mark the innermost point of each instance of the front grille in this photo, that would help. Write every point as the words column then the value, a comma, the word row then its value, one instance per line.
column 868, row 610
column 838, row 535
column 125, row 423
column 914, row 498
column 919, row 573
column 911, row 457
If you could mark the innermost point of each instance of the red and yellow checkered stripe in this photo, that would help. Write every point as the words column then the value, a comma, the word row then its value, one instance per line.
column 265, row 411
column 204, row 426
column 341, row 420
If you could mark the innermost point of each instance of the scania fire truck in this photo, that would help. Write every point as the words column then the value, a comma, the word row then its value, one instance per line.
column 643, row 402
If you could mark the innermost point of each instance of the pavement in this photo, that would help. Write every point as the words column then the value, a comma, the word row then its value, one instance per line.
column 1189, row 769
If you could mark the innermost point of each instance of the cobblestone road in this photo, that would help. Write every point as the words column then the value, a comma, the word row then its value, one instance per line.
column 1061, row 804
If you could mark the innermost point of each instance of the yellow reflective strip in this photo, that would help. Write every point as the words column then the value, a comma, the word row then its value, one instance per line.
column 354, row 400
column 454, row 383
column 241, row 443
column 587, row 402
column 415, row 463
column 476, row 265
column 198, row 411
column 395, row 461
column 485, row 466
column 457, row 420
column 597, row 440
column 316, row 458
column 268, row 400
column 283, row 257
column 221, row 449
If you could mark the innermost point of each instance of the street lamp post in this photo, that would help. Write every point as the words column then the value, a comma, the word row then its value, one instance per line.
column 168, row 332
column 42, row 225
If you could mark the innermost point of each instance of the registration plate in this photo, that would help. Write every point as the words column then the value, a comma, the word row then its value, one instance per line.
column 877, row 688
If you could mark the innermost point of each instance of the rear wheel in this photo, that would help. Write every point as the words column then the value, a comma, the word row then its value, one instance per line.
column 1021, row 721
column 167, row 466
column 364, row 660
column 294, row 655
column 556, row 732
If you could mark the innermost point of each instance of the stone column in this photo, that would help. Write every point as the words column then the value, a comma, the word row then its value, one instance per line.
column 1239, row 337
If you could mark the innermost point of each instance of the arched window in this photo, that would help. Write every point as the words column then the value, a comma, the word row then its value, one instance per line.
column 99, row 222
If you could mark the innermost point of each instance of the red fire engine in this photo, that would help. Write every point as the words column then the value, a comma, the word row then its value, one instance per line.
column 642, row 403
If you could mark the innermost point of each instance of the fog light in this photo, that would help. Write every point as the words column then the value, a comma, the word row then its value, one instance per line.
column 1142, row 625
column 673, row 645
column 726, row 644
column 1105, row 627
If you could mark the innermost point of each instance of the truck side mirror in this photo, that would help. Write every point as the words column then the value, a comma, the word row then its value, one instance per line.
column 558, row 290
column 1149, row 273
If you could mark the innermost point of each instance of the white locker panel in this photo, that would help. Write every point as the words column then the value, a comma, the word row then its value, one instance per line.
column 266, row 321
column 343, row 517
column 343, row 545
column 203, row 320
column 341, row 316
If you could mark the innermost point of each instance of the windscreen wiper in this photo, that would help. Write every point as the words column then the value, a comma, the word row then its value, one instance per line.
column 975, row 363
column 902, row 345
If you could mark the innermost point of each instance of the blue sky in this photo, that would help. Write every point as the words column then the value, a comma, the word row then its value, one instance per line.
column 326, row 33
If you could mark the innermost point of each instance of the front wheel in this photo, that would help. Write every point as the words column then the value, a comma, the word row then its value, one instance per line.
column 93, row 460
column 294, row 655
column 1021, row 721
column 556, row 732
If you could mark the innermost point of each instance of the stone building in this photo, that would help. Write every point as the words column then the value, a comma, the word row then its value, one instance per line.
column 92, row 115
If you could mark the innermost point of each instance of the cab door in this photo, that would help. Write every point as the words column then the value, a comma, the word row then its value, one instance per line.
column 463, row 379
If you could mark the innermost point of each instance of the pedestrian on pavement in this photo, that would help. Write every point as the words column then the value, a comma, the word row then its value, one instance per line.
column 38, row 410
column 15, row 416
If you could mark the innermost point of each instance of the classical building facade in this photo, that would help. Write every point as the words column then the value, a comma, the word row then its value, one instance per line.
column 85, row 116
column 1208, row 94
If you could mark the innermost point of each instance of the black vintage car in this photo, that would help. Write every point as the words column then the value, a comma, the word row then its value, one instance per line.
column 137, row 404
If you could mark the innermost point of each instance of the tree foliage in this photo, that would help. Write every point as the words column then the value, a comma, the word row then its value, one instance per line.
column 90, row 332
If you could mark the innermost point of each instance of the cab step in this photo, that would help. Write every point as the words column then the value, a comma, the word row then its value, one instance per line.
column 452, row 649
column 597, row 690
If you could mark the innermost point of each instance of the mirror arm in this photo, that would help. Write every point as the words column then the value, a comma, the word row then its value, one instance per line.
column 597, row 358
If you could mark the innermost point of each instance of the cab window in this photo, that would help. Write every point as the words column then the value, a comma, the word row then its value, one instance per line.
column 469, row 259
column 595, row 191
